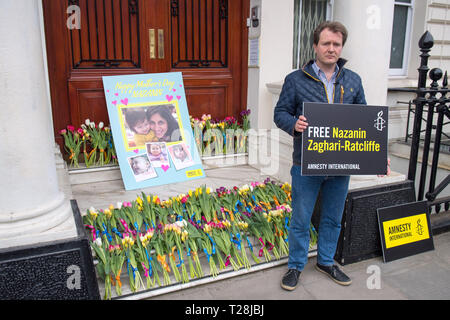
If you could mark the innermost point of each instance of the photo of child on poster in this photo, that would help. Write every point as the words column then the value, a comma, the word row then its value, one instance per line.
column 181, row 157
column 136, row 121
column 157, row 154
column 142, row 168
column 150, row 124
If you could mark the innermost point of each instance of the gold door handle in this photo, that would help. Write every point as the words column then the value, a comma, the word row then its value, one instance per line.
column 151, row 33
column 160, row 43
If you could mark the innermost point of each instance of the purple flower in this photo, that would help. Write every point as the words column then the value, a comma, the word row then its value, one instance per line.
column 245, row 113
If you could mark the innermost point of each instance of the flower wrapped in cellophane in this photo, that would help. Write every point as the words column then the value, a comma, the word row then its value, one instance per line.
column 73, row 139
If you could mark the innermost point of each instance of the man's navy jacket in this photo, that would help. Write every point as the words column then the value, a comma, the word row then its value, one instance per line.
column 303, row 85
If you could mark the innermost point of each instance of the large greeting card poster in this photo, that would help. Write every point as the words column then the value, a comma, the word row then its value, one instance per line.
column 151, row 129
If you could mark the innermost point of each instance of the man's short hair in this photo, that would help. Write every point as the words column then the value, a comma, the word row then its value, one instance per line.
column 334, row 26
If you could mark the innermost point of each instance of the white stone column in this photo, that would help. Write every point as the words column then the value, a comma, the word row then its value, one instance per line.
column 32, row 208
column 369, row 23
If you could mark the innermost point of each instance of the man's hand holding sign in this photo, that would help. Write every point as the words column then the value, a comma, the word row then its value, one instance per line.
column 301, row 124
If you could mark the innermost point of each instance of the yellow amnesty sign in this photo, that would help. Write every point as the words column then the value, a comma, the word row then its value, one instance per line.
column 405, row 230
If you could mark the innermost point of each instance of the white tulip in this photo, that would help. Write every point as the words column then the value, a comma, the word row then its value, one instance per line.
column 98, row 242
column 181, row 223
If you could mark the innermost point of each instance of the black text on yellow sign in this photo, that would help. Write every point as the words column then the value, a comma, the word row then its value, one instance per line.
column 405, row 230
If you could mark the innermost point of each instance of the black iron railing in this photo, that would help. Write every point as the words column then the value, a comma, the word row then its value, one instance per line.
column 429, row 102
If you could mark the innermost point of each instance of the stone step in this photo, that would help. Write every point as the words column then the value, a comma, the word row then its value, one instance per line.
column 401, row 149
column 94, row 174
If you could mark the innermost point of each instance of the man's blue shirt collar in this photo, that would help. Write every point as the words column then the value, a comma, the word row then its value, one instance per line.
column 321, row 74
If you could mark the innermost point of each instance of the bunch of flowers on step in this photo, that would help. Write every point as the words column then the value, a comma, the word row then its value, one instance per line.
column 218, row 137
column 95, row 141
column 73, row 139
column 161, row 242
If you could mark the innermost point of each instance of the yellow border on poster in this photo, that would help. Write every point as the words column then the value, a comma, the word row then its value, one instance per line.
column 148, row 104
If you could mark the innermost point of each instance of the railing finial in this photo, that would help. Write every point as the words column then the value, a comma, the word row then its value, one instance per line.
column 426, row 41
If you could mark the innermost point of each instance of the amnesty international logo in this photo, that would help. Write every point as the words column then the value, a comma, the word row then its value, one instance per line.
column 379, row 122
column 405, row 230
column 419, row 228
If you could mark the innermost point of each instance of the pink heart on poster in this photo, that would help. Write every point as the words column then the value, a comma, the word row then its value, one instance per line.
column 136, row 150
column 180, row 85
column 124, row 101
column 165, row 167
column 107, row 90
column 114, row 102
column 169, row 98
column 174, row 90
column 116, row 94
column 178, row 97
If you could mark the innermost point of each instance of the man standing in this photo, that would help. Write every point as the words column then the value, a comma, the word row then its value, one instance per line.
column 321, row 80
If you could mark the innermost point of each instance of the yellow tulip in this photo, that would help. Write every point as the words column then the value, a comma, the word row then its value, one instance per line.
column 107, row 213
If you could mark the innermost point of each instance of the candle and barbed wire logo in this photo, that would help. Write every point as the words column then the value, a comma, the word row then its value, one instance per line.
column 380, row 122
column 419, row 228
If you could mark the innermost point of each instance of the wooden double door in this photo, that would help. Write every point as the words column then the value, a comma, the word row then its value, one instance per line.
column 206, row 40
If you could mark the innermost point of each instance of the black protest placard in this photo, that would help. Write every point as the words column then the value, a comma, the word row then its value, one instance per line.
column 405, row 230
column 344, row 139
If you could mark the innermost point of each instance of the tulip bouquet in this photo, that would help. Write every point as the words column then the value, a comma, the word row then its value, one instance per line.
column 221, row 136
column 160, row 242
column 143, row 248
column 103, row 266
column 230, row 205
column 97, row 139
column 72, row 143
column 192, row 245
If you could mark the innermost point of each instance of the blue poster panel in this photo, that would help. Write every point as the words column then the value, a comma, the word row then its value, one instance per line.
column 151, row 129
